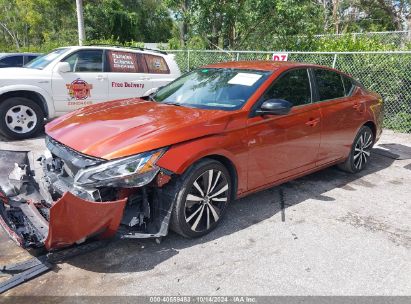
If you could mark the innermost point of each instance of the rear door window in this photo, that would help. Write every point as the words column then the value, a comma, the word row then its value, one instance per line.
column 294, row 86
column 329, row 84
column 126, row 62
column 156, row 64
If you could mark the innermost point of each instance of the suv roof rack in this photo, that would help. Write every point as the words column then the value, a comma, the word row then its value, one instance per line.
column 128, row 47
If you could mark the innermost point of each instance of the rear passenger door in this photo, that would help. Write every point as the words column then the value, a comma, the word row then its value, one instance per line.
column 342, row 111
column 128, row 74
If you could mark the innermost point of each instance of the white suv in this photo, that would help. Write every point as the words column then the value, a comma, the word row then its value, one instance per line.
column 71, row 77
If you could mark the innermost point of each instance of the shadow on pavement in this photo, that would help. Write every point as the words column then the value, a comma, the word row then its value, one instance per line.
column 394, row 151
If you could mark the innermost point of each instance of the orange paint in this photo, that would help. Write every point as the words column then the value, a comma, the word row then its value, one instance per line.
column 73, row 219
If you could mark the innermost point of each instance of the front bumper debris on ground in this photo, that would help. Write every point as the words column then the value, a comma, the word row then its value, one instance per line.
column 32, row 222
column 40, row 211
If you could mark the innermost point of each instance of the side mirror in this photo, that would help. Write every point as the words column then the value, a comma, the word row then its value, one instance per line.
column 275, row 107
column 63, row 67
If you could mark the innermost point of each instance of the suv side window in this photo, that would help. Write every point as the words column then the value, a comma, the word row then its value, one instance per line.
column 293, row 86
column 86, row 61
column 126, row 62
column 329, row 84
column 29, row 58
column 156, row 64
column 12, row 61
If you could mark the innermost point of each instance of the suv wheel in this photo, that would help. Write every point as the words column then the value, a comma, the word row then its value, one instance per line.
column 20, row 118
column 203, row 193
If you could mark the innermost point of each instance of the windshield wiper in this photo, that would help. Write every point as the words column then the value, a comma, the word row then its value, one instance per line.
column 149, row 97
column 173, row 103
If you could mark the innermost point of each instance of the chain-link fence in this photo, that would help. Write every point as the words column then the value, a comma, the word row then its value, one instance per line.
column 396, row 38
column 388, row 73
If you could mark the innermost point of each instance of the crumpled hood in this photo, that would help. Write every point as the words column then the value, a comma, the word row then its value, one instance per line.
column 126, row 127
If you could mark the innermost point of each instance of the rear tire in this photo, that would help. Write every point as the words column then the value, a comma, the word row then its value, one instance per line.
column 203, row 193
column 20, row 118
column 360, row 151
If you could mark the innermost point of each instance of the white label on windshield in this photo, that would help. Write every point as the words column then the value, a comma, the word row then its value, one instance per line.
column 246, row 79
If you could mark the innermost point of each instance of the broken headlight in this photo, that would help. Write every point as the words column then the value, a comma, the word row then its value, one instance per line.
column 134, row 171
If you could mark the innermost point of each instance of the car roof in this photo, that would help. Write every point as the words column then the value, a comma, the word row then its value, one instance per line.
column 119, row 48
column 262, row 65
column 22, row 54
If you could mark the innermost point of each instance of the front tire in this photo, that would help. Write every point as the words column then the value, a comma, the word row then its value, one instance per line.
column 204, row 192
column 360, row 151
column 20, row 118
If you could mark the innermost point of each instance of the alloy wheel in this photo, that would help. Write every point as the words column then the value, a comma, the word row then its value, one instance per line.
column 21, row 119
column 206, row 200
column 362, row 150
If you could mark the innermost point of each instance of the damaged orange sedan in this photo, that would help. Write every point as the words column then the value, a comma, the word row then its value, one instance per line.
column 178, row 157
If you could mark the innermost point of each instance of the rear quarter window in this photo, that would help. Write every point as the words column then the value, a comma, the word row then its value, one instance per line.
column 156, row 64
column 349, row 85
column 329, row 84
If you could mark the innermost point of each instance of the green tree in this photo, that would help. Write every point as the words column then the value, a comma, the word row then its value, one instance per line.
column 122, row 20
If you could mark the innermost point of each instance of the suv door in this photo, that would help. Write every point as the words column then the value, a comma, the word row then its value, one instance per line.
column 342, row 110
column 128, row 74
column 86, row 83
column 284, row 145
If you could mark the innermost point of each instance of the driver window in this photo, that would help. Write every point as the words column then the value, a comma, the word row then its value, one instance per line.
column 86, row 61
column 294, row 86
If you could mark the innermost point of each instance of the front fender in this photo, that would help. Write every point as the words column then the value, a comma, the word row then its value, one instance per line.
column 47, row 98
column 181, row 156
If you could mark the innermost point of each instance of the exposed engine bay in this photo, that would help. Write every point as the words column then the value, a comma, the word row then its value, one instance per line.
column 64, row 201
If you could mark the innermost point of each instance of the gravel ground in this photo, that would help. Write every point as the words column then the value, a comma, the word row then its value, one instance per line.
column 340, row 234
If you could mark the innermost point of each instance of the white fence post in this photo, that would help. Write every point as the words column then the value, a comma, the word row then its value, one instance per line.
column 188, row 60
column 335, row 60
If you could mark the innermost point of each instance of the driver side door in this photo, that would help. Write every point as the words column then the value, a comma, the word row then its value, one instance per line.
column 281, row 146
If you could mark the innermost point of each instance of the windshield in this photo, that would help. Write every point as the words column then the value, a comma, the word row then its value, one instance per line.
column 43, row 61
column 223, row 89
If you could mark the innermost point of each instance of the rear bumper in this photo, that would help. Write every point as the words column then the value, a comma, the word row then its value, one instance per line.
column 72, row 220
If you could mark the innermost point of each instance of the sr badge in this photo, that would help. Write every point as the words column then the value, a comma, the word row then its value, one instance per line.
column 79, row 89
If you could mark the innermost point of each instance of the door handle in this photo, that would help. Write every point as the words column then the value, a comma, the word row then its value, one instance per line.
column 144, row 78
column 101, row 77
column 312, row 122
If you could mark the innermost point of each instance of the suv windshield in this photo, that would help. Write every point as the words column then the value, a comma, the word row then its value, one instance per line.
column 211, row 88
column 43, row 61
